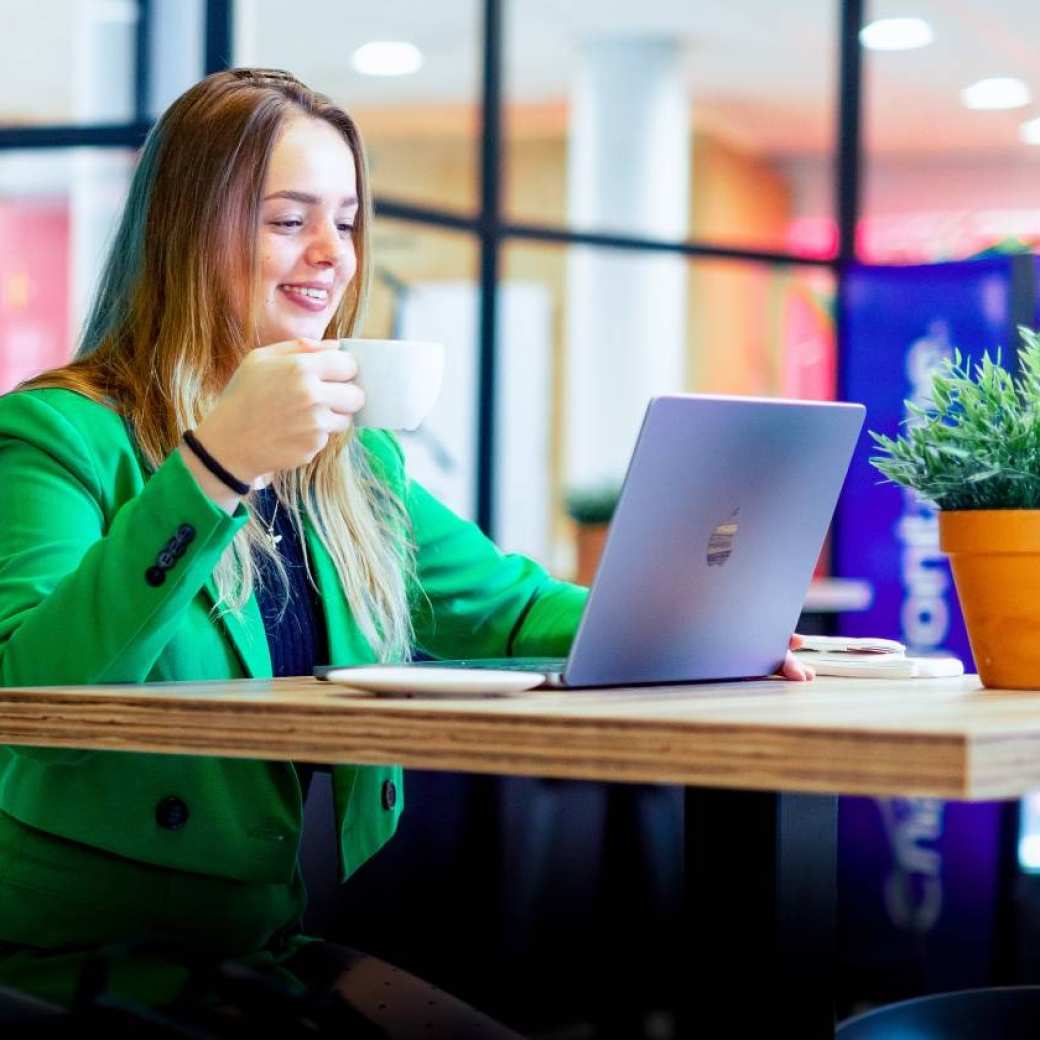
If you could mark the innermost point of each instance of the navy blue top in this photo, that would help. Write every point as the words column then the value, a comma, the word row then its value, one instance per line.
column 294, row 620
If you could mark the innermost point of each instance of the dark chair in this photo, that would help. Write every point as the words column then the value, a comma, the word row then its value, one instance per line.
column 1006, row 1013
column 392, row 1003
column 349, row 994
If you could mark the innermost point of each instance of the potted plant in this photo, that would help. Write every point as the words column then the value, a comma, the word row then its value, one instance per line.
column 591, row 509
column 974, row 452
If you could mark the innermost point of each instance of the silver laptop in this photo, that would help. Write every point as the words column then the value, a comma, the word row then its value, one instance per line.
column 712, row 545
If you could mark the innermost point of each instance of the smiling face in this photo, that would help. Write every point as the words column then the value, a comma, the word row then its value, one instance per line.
column 305, row 245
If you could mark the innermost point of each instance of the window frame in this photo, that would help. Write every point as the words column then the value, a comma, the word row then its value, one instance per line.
column 489, row 225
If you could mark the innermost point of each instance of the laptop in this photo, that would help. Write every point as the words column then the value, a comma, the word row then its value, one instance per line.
column 709, row 554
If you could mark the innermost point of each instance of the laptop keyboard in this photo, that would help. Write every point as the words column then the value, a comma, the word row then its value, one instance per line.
column 513, row 664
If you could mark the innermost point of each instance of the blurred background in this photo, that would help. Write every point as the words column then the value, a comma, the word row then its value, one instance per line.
column 712, row 127
column 590, row 202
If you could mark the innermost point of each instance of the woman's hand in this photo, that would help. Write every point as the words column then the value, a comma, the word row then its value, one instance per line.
column 793, row 668
column 281, row 407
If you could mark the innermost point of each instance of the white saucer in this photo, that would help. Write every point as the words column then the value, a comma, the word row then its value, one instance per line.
column 402, row 681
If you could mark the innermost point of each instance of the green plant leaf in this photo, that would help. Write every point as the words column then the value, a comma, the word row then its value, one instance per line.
column 974, row 442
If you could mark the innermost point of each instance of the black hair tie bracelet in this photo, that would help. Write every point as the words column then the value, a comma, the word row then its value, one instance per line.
column 213, row 466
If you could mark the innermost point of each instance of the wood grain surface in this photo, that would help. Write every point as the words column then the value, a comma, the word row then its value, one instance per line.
column 943, row 737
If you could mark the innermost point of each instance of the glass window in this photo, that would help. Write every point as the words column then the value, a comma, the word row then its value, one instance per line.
column 420, row 123
column 58, row 211
column 761, row 329
column 424, row 287
column 704, row 120
column 729, row 327
column 943, row 180
column 68, row 63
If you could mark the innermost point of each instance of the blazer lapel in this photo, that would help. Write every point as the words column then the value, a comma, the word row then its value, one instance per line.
column 346, row 643
column 246, row 634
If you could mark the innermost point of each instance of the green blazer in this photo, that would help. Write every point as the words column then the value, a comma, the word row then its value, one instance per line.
column 105, row 578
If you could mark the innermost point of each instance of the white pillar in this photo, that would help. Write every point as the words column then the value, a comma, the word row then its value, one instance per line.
column 628, row 170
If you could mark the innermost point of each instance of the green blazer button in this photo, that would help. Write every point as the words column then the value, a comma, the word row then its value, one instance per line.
column 389, row 794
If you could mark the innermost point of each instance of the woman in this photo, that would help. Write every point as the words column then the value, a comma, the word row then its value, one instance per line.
column 187, row 500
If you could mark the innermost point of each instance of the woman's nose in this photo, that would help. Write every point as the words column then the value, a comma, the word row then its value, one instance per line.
column 327, row 246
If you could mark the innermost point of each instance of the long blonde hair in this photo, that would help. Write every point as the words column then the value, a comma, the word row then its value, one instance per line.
column 168, row 328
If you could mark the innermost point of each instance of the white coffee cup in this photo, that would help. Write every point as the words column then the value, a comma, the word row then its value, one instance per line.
column 401, row 379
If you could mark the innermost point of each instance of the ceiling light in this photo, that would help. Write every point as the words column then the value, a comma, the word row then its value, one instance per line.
column 387, row 58
column 1030, row 131
column 896, row 34
column 999, row 92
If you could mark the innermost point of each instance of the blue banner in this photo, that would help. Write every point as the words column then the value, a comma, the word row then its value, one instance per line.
column 1036, row 282
column 900, row 322
column 925, row 874
column 920, row 882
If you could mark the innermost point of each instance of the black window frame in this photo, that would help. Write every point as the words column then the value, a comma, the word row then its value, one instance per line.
column 489, row 225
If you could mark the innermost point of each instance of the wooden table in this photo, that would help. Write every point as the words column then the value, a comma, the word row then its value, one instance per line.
column 763, row 763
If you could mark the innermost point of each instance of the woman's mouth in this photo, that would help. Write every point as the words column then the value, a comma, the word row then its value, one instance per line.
column 309, row 297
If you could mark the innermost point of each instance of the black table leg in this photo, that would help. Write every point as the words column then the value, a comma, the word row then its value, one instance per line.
column 759, row 915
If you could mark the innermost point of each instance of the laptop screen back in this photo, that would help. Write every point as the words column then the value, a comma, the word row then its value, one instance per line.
column 712, row 546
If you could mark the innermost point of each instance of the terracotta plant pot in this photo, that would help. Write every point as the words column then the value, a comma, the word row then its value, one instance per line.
column 590, row 538
column 995, row 555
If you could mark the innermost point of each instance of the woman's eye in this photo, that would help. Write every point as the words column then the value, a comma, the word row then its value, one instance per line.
column 345, row 228
column 290, row 223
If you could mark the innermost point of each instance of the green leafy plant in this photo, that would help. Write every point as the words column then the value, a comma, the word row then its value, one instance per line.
column 976, row 443
column 592, row 505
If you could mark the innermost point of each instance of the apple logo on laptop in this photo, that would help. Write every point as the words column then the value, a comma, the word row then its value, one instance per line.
column 720, row 543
